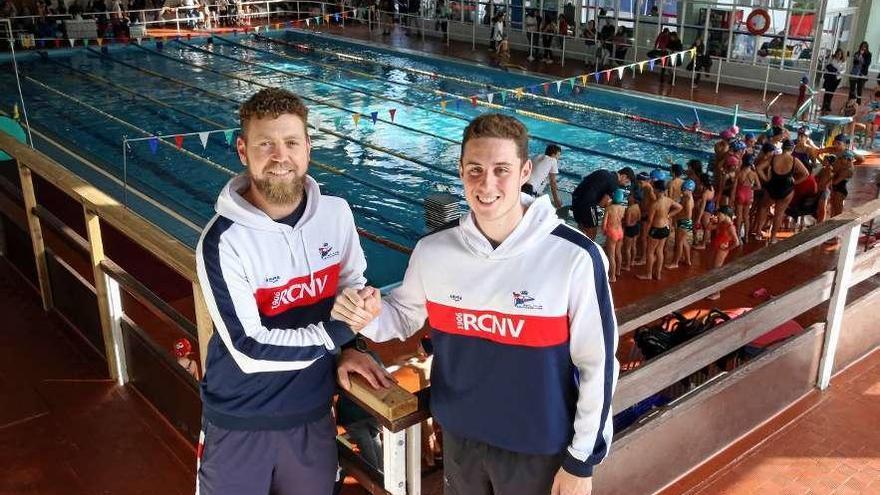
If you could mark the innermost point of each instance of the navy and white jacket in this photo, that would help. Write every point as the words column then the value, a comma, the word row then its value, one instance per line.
column 524, row 335
column 269, row 288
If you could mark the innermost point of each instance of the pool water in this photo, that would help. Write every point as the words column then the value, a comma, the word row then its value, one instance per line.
column 89, row 102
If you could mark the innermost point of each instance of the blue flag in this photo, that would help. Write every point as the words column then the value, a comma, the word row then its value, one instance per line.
column 154, row 144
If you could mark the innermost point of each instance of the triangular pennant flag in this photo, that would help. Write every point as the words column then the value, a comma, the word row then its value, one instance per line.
column 672, row 59
column 138, row 40
column 489, row 97
column 337, row 122
column 203, row 137
column 327, row 18
column 546, row 88
column 72, row 41
column 571, row 83
column 392, row 112
column 504, row 97
column 620, row 72
column 519, row 93
column 663, row 61
column 356, row 118
column 154, row 144
column 642, row 66
column 693, row 52
column 443, row 105
column 336, row 17
column 374, row 116
column 597, row 77
column 228, row 135
column 607, row 75
column 651, row 65
column 178, row 140
column 256, row 29
column 15, row 113
column 277, row 25
column 85, row 42
column 474, row 101
column 558, row 85
column 307, row 22
column 57, row 43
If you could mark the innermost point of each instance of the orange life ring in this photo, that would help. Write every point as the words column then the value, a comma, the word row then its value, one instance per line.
column 753, row 19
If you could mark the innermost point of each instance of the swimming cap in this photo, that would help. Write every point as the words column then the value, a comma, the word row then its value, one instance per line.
column 657, row 174
column 738, row 145
column 182, row 348
column 777, row 121
column 726, row 134
column 734, row 129
column 618, row 197
column 767, row 147
column 689, row 185
column 842, row 138
column 750, row 136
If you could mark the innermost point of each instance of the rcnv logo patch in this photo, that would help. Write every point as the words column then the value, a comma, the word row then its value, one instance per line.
column 299, row 291
column 489, row 323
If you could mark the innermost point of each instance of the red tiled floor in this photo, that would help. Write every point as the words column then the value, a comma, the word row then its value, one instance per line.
column 833, row 448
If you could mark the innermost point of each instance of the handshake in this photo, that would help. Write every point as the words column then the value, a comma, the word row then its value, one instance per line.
column 356, row 307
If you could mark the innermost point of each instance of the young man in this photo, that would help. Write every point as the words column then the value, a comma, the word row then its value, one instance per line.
column 270, row 263
column 595, row 190
column 545, row 168
column 522, row 325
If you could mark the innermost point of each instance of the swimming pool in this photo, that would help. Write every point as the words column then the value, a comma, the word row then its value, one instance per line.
column 88, row 102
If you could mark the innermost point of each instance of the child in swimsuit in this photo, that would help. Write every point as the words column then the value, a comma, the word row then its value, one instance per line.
column 658, row 220
column 745, row 185
column 823, row 187
column 842, row 173
column 632, row 228
column 725, row 239
column 705, row 209
column 684, row 226
column 648, row 196
column 612, row 225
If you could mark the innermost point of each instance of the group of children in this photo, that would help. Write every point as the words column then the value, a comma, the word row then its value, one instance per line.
column 758, row 183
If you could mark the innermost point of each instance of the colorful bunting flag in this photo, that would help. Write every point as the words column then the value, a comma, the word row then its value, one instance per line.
column 203, row 137
column 337, row 122
column 558, row 85
column 489, row 97
column 474, row 101
column 620, row 72
column 374, row 116
column 519, row 93
column 651, row 65
column 546, row 88
column 154, row 144
column 178, row 140
column 307, row 22
column 356, row 118
column 392, row 112
column 672, row 59
column 608, row 75
column 228, row 134
column 663, row 60
column 100, row 41
column 72, row 41
column 598, row 76
column 504, row 97
column 571, row 83
column 443, row 105
column 642, row 66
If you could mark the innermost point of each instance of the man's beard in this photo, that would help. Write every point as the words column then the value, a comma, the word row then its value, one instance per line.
column 279, row 192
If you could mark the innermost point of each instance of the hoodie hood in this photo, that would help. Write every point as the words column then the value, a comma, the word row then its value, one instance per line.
column 232, row 205
column 537, row 223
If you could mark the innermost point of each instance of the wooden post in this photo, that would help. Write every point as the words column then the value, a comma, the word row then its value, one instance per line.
column 112, row 347
column 414, row 459
column 204, row 324
column 837, row 304
column 30, row 201
column 394, row 461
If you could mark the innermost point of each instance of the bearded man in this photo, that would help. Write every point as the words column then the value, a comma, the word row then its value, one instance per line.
column 270, row 263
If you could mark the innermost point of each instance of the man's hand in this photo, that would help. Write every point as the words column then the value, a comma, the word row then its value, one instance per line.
column 354, row 361
column 356, row 310
column 568, row 484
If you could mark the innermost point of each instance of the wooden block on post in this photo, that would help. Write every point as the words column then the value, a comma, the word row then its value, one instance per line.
column 391, row 403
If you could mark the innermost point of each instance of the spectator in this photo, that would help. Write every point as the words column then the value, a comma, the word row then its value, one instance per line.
column 550, row 30
column 858, row 74
column 701, row 62
column 531, row 23
column 834, row 70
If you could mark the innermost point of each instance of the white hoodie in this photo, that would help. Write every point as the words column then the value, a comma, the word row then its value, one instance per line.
column 269, row 288
column 524, row 335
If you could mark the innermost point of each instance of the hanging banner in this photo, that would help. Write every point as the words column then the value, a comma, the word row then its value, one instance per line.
column 203, row 137
column 374, row 116
column 392, row 112
column 154, row 144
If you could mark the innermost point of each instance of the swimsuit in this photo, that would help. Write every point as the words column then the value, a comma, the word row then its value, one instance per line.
column 710, row 206
column 722, row 239
column 632, row 230
column 744, row 194
column 685, row 224
column 614, row 233
column 780, row 185
column 659, row 233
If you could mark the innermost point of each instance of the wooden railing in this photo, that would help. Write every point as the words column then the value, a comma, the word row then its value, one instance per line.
column 397, row 411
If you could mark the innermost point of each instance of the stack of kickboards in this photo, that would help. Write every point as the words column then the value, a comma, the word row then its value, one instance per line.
column 440, row 209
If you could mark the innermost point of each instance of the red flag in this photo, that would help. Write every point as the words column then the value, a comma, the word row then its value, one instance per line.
column 546, row 88
column 392, row 112
column 607, row 75
column 57, row 43
column 473, row 101
column 179, row 141
column 663, row 61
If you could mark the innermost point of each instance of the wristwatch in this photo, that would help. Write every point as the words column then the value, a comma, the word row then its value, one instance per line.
column 359, row 344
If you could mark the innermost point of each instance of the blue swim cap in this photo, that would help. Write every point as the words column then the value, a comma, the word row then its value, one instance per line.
column 749, row 136
column 738, row 145
column 619, row 197
column 657, row 174
column 689, row 185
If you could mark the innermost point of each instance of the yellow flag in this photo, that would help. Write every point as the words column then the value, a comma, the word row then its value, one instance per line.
column 584, row 79
column 519, row 93
column 443, row 105
column 357, row 118
column 642, row 66
column 100, row 41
